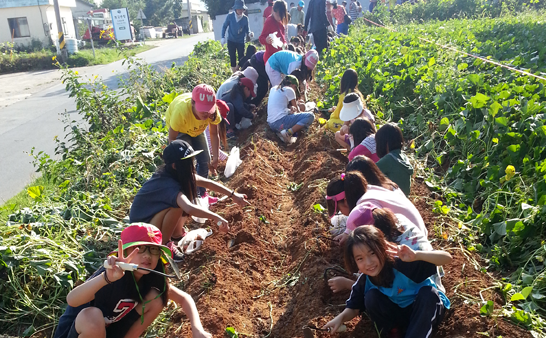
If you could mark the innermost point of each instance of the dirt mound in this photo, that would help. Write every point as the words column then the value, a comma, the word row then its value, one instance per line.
column 266, row 277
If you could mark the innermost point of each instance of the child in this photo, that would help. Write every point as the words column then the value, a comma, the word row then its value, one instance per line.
column 393, row 162
column 275, row 23
column 169, row 196
column 248, row 72
column 257, row 62
column 348, row 84
column 116, row 303
column 236, row 99
column 285, row 62
column 283, row 114
column 238, row 25
column 362, row 133
column 367, row 167
column 395, row 289
column 359, row 195
column 223, row 109
column 250, row 50
column 353, row 107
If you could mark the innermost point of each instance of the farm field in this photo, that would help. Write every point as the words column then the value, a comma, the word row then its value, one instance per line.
column 476, row 137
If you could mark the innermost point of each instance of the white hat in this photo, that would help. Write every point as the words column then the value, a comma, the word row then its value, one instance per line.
column 351, row 110
column 252, row 74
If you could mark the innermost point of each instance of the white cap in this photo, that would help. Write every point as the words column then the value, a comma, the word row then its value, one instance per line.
column 252, row 74
column 351, row 110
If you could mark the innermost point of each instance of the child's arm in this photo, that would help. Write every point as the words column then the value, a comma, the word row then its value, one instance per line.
column 214, row 186
column 406, row 254
column 195, row 210
column 188, row 305
column 335, row 323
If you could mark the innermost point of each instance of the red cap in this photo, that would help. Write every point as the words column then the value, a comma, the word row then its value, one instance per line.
column 143, row 234
column 205, row 98
column 223, row 108
column 249, row 84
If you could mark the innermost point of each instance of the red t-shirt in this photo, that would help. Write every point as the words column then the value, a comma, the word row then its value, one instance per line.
column 270, row 26
column 268, row 11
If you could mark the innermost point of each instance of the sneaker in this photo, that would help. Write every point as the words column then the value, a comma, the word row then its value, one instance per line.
column 283, row 135
column 211, row 200
column 178, row 256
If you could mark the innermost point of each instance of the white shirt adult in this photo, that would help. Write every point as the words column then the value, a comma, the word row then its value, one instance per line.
column 277, row 105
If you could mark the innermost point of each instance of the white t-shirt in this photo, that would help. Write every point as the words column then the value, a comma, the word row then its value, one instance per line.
column 277, row 105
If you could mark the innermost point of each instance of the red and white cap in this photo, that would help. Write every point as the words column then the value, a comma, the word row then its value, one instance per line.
column 205, row 98
column 311, row 59
column 223, row 108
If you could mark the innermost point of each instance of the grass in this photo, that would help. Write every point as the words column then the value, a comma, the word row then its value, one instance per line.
column 23, row 199
column 104, row 55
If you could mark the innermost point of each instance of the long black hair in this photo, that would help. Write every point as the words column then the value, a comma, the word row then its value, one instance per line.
column 308, row 74
column 388, row 138
column 371, row 172
column 360, row 129
column 349, row 82
column 353, row 183
column 184, row 174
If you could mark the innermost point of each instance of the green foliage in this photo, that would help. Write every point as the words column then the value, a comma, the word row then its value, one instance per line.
column 231, row 332
column 487, row 308
column 318, row 208
column 481, row 128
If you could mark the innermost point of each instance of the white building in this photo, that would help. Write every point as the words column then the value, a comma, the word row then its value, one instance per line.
column 27, row 21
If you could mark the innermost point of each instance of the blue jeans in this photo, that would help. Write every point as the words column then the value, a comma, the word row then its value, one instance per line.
column 288, row 121
column 203, row 159
column 342, row 28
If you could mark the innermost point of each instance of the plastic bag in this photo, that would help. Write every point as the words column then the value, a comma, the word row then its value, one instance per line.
column 203, row 202
column 233, row 162
column 277, row 43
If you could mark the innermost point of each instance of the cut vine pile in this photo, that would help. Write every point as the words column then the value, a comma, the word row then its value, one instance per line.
column 271, row 282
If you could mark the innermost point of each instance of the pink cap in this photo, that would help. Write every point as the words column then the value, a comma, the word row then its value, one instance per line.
column 311, row 59
column 205, row 98
column 360, row 215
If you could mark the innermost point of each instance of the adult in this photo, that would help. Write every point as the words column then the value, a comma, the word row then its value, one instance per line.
column 316, row 23
column 237, row 22
column 339, row 14
column 373, row 3
column 297, row 16
column 329, row 15
column 268, row 10
column 274, row 24
column 187, row 118
column 353, row 10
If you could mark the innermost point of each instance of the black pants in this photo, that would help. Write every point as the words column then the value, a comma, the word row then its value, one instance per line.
column 263, row 81
column 234, row 47
column 372, row 6
column 321, row 40
column 417, row 319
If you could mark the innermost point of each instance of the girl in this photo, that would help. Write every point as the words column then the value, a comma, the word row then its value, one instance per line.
column 359, row 197
column 249, row 73
column 395, row 288
column 283, row 114
column 348, row 84
column 353, row 107
column 236, row 100
column 397, row 229
column 285, row 62
column 371, row 172
column 116, row 303
column 393, row 162
column 223, row 109
column 275, row 23
column 362, row 133
column 257, row 62
column 169, row 196
column 187, row 118
column 339, row 13
column 237, row 22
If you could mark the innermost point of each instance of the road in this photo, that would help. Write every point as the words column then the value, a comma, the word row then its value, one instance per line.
column 32, row 104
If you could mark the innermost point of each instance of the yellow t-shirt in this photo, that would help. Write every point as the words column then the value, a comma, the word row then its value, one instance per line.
column 335, row 114
column 180, row 117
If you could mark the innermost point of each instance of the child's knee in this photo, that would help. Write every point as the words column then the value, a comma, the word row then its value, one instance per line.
column 91, row 320
column 373, row 298
column 428, row 295
column 309, row 119
column 154, row 303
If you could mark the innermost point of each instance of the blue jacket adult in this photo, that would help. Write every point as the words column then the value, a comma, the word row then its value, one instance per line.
column 316, row 19
column 237, row 29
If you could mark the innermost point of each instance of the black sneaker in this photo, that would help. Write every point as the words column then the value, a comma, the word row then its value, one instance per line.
column 178, row 256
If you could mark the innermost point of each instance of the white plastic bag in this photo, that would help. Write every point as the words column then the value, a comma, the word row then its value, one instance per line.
column 277, row 43
column 233, row 162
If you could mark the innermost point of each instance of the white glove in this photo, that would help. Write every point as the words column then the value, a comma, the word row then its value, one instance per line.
column 223, row 41
column 251, row 35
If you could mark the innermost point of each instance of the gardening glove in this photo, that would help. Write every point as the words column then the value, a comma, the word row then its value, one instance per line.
column 251, row 35
column 223, row 41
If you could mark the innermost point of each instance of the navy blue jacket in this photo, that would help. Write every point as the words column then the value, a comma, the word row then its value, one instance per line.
column 237, row 30
column 316, row 19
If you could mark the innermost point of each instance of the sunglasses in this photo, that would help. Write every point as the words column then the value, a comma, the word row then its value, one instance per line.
column 154, row 250
column 336, row 198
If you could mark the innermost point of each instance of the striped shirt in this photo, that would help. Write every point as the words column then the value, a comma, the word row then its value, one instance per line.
column 353, row 10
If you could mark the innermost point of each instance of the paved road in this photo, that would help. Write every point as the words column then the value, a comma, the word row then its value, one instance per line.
column 32, row 104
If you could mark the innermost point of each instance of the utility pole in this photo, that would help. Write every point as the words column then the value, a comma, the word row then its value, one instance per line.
column 189, row 16
column 62, row 42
